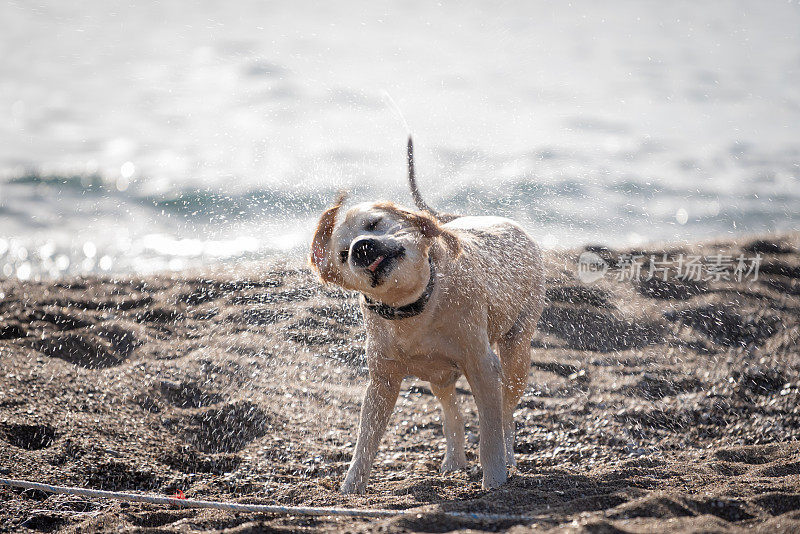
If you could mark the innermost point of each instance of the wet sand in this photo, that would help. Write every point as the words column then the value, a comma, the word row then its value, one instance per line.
column 652, row 406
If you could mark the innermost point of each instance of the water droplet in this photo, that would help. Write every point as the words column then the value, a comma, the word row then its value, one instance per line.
column 105, row 263
column 24, row 271
column 127, row 169
column 682, row 216
column 62, row 262
column 89, row 249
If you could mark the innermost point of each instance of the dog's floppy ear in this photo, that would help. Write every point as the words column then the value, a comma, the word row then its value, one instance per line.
column 427, row 225
column 320, row 259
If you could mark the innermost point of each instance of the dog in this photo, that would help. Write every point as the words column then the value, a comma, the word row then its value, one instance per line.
column 442, row 296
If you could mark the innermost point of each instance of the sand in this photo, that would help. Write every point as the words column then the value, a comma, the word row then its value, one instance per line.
column 652, row 406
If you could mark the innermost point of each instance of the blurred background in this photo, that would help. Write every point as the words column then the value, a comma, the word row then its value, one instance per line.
column 142, row 136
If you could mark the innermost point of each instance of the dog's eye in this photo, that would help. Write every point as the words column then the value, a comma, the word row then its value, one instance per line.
column 343, row 255
column 371, row 225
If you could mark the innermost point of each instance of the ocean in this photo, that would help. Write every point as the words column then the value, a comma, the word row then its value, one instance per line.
column 146, row 136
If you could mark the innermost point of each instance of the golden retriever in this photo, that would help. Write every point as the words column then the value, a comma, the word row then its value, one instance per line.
column 442, row 296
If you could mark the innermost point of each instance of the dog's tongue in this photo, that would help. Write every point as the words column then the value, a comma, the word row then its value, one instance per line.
column 374, row 264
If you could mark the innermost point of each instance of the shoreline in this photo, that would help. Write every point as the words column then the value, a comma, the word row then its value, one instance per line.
column 296, row 256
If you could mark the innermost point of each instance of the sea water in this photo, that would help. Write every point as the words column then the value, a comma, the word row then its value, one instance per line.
column 143, row 136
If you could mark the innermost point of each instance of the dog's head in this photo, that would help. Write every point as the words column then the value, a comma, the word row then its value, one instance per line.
column 379, row 249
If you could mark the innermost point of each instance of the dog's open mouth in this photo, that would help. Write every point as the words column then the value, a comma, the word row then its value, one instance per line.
column 382, row 265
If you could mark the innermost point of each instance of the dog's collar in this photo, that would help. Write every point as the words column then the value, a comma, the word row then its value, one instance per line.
column 409, row 310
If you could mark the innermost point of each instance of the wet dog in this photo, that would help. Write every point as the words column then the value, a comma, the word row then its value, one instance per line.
column 442, row 296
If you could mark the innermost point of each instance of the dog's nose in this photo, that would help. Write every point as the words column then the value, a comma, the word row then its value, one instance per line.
column 366, row 250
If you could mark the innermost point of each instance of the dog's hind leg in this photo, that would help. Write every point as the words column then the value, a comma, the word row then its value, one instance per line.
column 514, row 349
column 453, row 427
column 485, row 375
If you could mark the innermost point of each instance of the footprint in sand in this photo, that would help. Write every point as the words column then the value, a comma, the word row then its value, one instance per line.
column 585, row 328
column 28, row 437
column 187, row 394
column 98, row 347
column 83, row 350
column 225, row 429
column 724, row 325
column 119, row 476
column 656, row 288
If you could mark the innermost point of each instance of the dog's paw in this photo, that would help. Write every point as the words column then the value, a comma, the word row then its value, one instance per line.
column 453, row 463
column 494, row 480
column 350, row 487
column 511, row 461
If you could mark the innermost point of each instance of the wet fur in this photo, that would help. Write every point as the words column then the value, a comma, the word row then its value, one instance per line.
column 478, row 322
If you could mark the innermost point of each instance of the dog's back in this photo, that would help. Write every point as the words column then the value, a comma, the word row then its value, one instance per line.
column 506, row 263
column 501, row 254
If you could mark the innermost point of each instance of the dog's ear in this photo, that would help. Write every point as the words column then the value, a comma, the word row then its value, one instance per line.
column 320, row 259
column 427, row 225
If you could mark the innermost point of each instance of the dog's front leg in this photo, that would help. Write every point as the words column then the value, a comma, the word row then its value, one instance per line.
column 378, row 404
column 484, row 374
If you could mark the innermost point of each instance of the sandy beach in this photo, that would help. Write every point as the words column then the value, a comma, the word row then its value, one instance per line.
column 670, row 406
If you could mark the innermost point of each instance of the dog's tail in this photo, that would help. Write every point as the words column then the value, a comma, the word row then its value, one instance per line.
column 412, row 183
